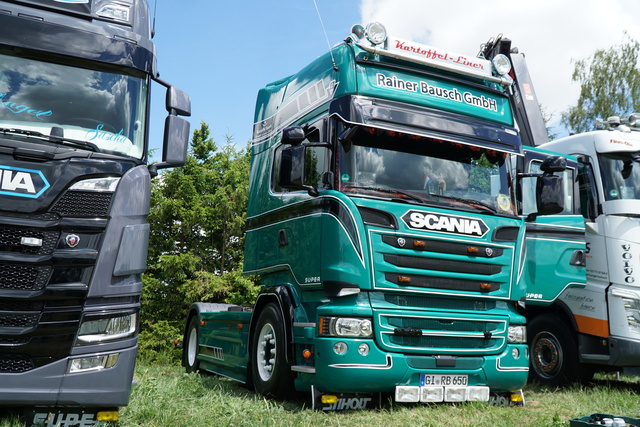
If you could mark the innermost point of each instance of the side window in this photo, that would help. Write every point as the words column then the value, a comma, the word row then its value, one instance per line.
column 588, row 199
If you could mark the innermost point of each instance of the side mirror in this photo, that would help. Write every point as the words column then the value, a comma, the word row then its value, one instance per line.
column 177, row 102
column 554, row 164
column 292, row 167
column 549, row 195
column 293, row 135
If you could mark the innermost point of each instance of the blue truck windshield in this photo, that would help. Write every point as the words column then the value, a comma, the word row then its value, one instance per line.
column 104, row 109
column 426, row 170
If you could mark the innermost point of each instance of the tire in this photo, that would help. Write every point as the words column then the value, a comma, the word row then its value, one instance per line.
column 191, row 344
column 553, row 350
column 270, row 371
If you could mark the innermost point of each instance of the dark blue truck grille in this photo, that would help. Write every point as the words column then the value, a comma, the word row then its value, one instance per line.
column 39, row 311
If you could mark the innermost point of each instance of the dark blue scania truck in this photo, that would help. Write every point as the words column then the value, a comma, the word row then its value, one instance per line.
column 75, row 79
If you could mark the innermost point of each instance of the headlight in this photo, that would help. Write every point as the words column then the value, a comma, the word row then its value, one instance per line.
column 632, row 313
column 345, row 327
column 107, row 327
column 517, row 334
column 106, row 184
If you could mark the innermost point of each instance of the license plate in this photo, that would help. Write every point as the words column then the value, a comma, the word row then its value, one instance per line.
column 444, row 380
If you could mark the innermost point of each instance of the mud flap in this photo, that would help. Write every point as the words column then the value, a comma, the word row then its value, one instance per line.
column 344, row 401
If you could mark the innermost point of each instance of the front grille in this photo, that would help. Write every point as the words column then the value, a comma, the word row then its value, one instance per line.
column 15, row 363
column 11, row 240
column 439, row 334
column 19, row 320
column 435, row 264
column 83, row 204
column 23, row 277
column 455, row 304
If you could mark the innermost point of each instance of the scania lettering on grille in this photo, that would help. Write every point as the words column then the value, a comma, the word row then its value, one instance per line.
column 445, row 223
column 22, row 182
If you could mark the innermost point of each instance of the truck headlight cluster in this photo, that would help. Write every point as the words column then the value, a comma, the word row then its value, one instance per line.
column 345, row 327
column 632, row 313
column 106, row 184
column 517, row 335
column 97, row 328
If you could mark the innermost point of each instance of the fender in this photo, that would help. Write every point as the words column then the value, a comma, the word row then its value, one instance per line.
column 283, row 296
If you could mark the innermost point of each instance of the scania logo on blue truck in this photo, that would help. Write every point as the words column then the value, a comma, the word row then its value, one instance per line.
column 22, row 182
column 431, row 221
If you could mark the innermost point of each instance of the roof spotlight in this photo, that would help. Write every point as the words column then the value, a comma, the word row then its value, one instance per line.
column 501, row 64
column 376, row 33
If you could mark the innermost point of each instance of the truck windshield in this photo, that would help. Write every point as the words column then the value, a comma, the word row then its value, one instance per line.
column 104, row 109
column 425, row 170
column 620, row 175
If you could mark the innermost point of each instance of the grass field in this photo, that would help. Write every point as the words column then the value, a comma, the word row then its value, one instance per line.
column 166, row 396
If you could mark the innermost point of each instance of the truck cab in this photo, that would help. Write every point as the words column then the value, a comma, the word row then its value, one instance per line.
column 605, row 313
column 75, row 79
column 382, row 223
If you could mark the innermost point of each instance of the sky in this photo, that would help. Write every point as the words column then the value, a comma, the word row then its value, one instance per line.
column 222, row 52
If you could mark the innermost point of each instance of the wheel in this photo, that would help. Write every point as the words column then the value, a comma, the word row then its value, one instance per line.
column 270, row 371
column 554, row 352
column 191, row 344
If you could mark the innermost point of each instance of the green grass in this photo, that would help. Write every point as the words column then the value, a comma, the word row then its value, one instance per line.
column 166, row 396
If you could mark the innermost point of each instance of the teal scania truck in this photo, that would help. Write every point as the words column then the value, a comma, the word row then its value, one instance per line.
column 75, row 79
column 384, row 221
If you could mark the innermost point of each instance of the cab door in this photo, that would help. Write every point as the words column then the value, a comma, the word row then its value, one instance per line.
column 555, row 244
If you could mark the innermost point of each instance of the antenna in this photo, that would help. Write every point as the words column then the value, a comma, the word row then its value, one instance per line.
column 155, row 11
column 335, row 67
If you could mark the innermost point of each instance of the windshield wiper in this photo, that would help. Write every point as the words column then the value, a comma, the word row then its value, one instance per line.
column 51, row 138
column 391, row 191
column 469, row 202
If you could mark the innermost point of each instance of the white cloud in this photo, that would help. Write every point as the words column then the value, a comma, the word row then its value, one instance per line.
column 551, row 33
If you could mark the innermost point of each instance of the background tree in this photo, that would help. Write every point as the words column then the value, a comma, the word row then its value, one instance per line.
column 197, row 220
column 609, row 86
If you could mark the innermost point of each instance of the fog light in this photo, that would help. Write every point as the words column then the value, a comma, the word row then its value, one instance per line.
column 515, row 353
column 363, row 349
column 93, row 363
column 340, row 348
column 431, row 394
column 455, row 394
column 478, row 394
column 407, row 393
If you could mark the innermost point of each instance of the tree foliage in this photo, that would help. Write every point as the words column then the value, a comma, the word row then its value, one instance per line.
column 197, row 220
column 609, row 86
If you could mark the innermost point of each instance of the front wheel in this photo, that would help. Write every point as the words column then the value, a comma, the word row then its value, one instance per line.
column 554, row 352
column 191, row 344
column 270, row 371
